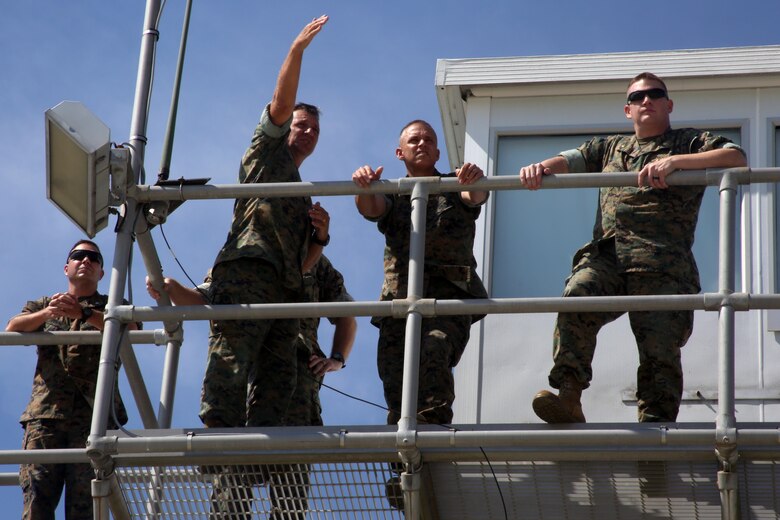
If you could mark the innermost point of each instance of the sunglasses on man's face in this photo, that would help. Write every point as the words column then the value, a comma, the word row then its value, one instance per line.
column 638, row 96
column 80, row 254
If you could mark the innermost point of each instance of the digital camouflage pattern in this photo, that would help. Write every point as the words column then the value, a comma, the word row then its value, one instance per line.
column 449, row 243
column 323, row 284
column 42, row 484
column 275, row 229
column 66, row 375
column 659, row 335
column 643, row 241
column 641, row 245
column 450, row 273
column 59, row 415
column 442, row 342
column 251, row 369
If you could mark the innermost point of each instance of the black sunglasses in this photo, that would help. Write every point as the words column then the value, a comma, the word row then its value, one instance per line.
column 638, row 96
column 80, row 254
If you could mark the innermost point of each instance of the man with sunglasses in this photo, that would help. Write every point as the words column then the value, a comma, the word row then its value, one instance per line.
column 641, row 245
column 59, row 413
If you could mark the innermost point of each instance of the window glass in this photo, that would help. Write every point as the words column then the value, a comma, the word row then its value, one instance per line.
column 777, row 213
column 537, row 234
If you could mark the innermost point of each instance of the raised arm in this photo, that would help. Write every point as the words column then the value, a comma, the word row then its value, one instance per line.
column 286, row 90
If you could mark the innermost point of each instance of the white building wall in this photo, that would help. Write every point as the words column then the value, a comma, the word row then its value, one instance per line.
column 509, row 356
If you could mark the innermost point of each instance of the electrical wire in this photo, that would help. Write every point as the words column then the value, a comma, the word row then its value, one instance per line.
column 183, row 270
column 348, row 395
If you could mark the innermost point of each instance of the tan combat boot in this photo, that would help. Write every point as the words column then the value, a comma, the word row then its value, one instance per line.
column 562, row 408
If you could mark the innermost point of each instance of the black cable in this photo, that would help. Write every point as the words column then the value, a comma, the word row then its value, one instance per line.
column 498, row 486
column 197, row 288
column 365, row 401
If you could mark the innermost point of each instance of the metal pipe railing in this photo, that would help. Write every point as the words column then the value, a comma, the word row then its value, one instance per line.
column 406, row 185
column 432, row 307
column 415, row 306
column 156, row 337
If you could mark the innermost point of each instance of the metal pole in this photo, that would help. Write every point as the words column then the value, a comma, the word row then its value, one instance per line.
column 84, row 337
column 174, row 329
column 726, row 424
column 113, row 329
column 165, row 160
column 410, row 479
column 137, row 385
column 145, row 193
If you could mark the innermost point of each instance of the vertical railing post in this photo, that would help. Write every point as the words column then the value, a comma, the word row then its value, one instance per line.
column 174, row 330
column 726, row 424
column 113, row 328
column 407, row 435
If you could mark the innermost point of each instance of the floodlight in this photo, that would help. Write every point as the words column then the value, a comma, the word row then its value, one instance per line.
column 78, row 157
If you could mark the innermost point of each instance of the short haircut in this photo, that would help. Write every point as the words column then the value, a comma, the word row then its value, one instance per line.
column 88, row 242
column 416, row 122
column 84, row 241
column 309, row 109
column 647, row 76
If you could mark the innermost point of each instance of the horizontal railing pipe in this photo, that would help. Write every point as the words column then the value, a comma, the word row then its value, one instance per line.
column 147, row 193
column 433, row 307
column 156, row 337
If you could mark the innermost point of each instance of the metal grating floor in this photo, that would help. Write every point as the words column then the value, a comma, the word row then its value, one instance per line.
column 623, row 490
column 600, row 490
column 314, row 491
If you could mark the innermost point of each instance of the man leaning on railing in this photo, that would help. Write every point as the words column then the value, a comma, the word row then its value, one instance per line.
column 641, row 245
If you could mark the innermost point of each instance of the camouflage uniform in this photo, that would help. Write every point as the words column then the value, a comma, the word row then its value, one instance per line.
column 323, row 284
column 259, row 263
column 450, row 273
column 59, row 415
column 641, row 245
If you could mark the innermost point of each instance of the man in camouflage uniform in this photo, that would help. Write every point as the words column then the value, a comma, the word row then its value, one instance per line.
column 251, row 371
column 641, row 245
column 450, row 273
column 322, row 283
column 59, row 414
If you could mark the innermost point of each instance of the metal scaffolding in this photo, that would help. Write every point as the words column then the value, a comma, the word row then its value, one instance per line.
column 467, row 471
column 157, row 469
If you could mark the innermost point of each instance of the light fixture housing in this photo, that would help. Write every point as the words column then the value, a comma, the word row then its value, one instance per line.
column 78, row 163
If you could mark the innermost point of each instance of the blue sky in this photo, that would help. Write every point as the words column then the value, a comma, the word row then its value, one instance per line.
column 370, row 70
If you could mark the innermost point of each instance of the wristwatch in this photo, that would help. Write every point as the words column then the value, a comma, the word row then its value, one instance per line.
column 86, row 313
column 319, row 242
column 338, row 357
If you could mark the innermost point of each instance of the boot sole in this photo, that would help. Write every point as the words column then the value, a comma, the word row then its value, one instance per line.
column 548, row 408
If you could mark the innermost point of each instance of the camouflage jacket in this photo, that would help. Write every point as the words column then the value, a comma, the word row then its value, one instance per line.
column 322, row 284
column 66, row 375
column 449, row 243
column 275, row 229
column 653, row 229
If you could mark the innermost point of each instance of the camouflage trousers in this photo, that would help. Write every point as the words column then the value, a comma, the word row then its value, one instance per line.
column 251, row 370
column 659, row 335
column 305, row 408
column 442, row 342
column 42, row 484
